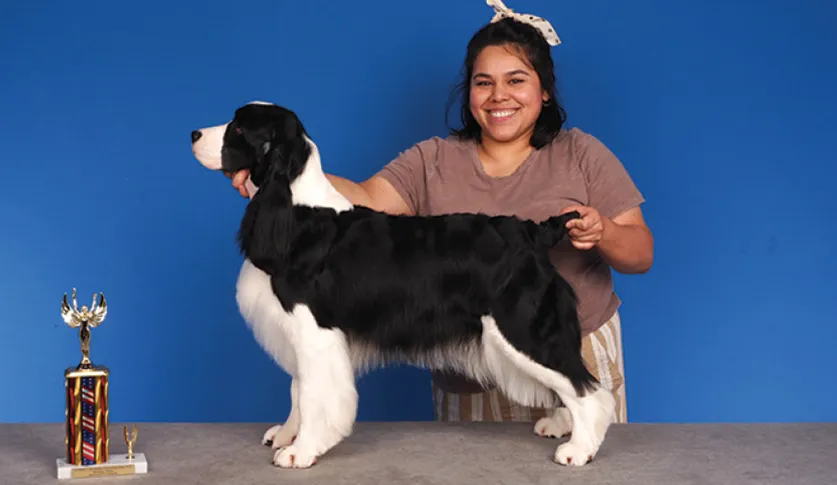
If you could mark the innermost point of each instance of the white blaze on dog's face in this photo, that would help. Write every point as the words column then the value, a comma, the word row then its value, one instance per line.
column 207, row 144
column 260, row 134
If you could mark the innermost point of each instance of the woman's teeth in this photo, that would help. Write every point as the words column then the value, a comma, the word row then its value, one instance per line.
column 500, row 115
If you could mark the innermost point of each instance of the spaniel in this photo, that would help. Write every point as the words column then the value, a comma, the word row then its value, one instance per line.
column 331, row 290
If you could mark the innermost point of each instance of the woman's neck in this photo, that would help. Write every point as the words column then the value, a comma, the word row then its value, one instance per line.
column 500, row 159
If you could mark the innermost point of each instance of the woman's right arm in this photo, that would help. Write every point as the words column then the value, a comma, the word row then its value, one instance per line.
column 375, row 193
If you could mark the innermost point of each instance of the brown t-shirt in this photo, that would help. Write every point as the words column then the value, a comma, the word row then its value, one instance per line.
column 445, row 175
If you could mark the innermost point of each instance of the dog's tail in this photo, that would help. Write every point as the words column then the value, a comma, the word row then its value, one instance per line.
column 554, row 229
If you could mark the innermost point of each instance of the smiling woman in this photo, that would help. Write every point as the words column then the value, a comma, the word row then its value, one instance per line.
column 509, row 85
column 513, row 156
column 506, row 98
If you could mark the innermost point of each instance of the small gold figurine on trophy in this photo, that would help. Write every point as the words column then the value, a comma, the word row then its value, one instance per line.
column 87, row 433
column 130, row 441
column 84, row 320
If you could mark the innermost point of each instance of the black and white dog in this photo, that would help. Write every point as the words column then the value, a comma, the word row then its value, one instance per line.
column 330, row 290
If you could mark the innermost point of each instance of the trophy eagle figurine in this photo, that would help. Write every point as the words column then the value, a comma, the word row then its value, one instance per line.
column 84, row 319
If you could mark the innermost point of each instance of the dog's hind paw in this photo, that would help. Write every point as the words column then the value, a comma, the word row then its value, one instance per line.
column 573, row 454
column 294, row 457
column 278, row 436
column 557, row 425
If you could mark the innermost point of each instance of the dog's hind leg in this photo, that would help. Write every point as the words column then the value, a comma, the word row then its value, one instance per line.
column 327, row 395
column 590, row 406
column 283, row 435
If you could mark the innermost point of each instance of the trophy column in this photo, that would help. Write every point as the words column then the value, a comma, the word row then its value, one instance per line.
column 87, row 434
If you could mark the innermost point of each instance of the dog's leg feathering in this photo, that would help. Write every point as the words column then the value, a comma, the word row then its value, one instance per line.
column 591, row 412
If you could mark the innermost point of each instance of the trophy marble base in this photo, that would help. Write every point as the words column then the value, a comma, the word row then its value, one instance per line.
column 119, row 464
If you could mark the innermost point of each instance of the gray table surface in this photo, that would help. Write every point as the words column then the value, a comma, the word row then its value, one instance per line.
column 423, row 453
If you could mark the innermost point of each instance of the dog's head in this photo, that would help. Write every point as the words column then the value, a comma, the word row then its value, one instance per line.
column 266, row 139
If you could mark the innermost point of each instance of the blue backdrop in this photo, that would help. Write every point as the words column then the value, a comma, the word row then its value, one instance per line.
column 722, row 112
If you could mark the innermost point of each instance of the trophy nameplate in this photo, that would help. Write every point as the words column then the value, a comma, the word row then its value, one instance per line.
column 86, row 427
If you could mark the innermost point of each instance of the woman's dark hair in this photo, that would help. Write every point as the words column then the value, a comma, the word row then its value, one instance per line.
column 530, row 41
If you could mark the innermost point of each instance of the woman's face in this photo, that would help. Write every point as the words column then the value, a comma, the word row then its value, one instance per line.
column 506, row 94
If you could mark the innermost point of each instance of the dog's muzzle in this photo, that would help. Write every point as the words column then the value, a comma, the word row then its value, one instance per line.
column 207, row 144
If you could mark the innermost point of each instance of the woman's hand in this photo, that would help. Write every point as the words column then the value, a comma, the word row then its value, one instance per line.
column 238, row 181
column 624, row 241
column 585, row 232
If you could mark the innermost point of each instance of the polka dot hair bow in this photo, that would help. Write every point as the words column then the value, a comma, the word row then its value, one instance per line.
column 501, row 12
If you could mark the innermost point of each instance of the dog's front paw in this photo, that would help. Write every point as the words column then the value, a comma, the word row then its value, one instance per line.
column 278, row 436
column 573, row 454
column 294, row 457
column 555, row 426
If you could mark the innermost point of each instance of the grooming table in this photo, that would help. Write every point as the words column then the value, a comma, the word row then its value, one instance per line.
column 425, row 453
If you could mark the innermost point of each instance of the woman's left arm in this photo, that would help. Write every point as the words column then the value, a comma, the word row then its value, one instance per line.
column 627, row 243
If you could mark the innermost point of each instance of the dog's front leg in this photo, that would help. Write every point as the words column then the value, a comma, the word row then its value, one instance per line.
column 283, row 435
column 327, row 394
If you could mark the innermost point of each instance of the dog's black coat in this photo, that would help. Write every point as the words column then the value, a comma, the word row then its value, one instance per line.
column 405, row 284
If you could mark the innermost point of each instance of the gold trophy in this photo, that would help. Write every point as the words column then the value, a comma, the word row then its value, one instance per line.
column 87, row 432
column 130, row 441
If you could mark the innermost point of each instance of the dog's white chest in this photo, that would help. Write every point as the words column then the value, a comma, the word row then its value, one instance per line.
column 265, row 316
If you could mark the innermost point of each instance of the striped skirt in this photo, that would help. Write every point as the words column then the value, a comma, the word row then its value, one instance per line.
column 602, row 352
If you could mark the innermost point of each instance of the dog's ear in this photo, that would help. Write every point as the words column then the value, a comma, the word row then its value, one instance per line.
column 259, row 172
column 266, row 226
column 287, row 152
column 282, row 163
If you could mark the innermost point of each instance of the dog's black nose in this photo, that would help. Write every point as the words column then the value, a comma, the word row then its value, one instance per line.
column 196, row 135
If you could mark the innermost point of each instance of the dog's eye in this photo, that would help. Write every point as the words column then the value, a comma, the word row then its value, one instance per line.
column 237, row 130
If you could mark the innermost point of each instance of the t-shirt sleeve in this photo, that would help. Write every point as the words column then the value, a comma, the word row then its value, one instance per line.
column 407, row 173
column 610, row 188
